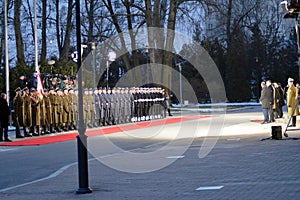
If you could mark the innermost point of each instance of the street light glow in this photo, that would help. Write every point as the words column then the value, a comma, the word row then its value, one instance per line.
column 112, row 56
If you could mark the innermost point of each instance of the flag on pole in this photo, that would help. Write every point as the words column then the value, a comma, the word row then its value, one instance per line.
column 40, row 87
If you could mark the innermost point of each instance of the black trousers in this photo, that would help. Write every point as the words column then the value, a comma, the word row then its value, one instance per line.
column 3, row 129
column 294, row 118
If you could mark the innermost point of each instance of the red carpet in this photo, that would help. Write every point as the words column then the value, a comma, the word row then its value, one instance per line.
column 62, row 137
column 257, row 120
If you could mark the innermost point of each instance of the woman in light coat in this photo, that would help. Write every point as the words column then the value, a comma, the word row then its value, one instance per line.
column 292, row 98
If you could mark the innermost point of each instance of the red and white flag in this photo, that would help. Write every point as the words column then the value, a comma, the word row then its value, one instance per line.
column 40, row 87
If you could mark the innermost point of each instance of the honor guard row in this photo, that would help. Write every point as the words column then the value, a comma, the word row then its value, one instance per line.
column 56, row 110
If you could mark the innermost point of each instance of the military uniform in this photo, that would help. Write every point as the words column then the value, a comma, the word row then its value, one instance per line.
column 65, row 110
column 18, row 117
column 71, row 110
column 54, row 111
column 27, row 113
column 43, row 115
column 59, row 111
column 48, row 112
column 102, row 107
column 114, row 106
column 91, row 109
column 85, row 107
column 97, row 107
column 36, row 112
column 75, row 108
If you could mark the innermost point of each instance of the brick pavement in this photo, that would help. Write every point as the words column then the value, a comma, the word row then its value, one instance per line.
column 246, row 167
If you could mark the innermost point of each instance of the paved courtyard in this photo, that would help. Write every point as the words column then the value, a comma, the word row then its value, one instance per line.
column 238, row 167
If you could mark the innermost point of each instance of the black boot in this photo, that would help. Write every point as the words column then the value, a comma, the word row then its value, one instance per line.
column 58, row 128
column 74, row 126
column 66, row 128
column 169, row 111
column 52, row 130
column 71, row 127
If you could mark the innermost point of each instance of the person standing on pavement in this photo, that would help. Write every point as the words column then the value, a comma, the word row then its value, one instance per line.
column 266, row 101
column 270, row 110
column 281, row 102
column 292, row 98
column 167, row 102
column 4, row 118
column 277, row 98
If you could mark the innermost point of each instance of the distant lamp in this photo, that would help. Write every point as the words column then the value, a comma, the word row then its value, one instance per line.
column 51, row 62
column 112, row 56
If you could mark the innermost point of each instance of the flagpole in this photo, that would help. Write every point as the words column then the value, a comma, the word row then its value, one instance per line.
column 35, row 38
column 6, row 51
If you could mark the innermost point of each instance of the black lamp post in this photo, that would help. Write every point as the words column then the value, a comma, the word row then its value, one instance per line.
column 110, row 58
column 81, row 137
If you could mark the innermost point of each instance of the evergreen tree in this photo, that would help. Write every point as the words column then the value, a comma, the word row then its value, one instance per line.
column 237, row 73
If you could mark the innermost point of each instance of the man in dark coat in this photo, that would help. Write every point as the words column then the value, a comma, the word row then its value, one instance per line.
column 266, row 101
column 271, row 113
column 4, row 118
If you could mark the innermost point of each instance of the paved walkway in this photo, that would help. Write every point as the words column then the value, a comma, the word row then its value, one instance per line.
column 240, row 166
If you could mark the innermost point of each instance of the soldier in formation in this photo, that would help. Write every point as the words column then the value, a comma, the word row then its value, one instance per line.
column 56, row 110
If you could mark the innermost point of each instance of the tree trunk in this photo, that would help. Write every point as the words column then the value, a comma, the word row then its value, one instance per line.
column 67, row 38
column 18, row 34
column 125, row 59
column 57, row 27
column 91, row 20
column 170, row 44
column 138, row 73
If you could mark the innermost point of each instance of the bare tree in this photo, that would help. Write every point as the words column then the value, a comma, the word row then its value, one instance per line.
column 44, row 32
column 18, row 33
column 64, row 28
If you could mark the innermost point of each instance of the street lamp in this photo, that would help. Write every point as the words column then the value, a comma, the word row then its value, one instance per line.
column 6, row 49
column 180, row 83
column 51, row 63
column 147, row 66
column 110, row 58
column 257, row 78
column 83, row 174
column 93, row 46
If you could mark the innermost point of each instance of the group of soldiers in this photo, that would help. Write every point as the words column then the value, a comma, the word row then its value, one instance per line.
column 56, row 110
